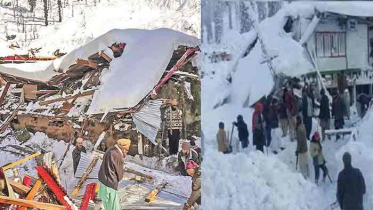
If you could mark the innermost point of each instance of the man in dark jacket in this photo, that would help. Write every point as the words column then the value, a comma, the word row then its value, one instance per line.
column 186, row 153
column 266, row 109
column 243, row 133
column 351, row 186
column 307, row 109
column 283, row 119
column 324, row 113
column 194, row 171
column 364, row 101
column 258, row 127
column 342, row 82
column 338, row 112
column 79, row 148
column 111, row 173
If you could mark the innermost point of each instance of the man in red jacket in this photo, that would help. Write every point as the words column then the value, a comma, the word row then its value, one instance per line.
column 258, row 127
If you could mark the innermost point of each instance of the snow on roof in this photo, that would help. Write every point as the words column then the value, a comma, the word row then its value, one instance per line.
column 289, row 58
column 33, row 71
column 358, row 8
column 133, row 75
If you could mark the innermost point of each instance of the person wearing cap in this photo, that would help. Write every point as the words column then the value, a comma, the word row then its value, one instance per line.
column 79, row 148
column 195, row 172
column 346, row 102
column 302, row 147
column 186, row 153
column 273, row 120
column 351, row 186
column 258, row 127
column 292, row 111
column 243, row 133
column 111, row 173
column 318, row 157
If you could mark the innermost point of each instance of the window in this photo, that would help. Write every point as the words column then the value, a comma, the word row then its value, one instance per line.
column 330, row 44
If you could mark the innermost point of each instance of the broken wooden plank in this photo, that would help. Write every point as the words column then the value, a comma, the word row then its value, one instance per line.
column 12, row 165
column 87, row 63
column 19, row 188
column 155, row 192
column 43, row 92
column 106, row 57
column 9, row 119
column 30, row 204
column 87, row 93
column 33, row 191
column 85, row 176
column 55, row 172
column 8, row 189
column 29, row 91
column 5, row 91
column 127, row 170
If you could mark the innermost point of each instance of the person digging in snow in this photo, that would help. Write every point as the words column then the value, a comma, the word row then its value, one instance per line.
column 302, row 147
column 318, row 157
column 243, row 133
column 351, row 186
column 258, row 127
column 186, row 154
column 195, row 172
column 111, row 173
column 273, row 120
column 324, row 114
column 77, row 153
column 222, row 140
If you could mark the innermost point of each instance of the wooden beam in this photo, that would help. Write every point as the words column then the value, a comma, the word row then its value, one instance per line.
column 87, row 93
column 5, row 91
column 12, row 165
column 85, row 176
column 32, row 193
column 19, row 188
column 42, row 92
column 106, row 57
column 30, row 204
column 5, row 125
column 155, row 192
column 127, row 170
column 87, row 63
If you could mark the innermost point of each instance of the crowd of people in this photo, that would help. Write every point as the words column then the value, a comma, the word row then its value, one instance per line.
column 276, row 118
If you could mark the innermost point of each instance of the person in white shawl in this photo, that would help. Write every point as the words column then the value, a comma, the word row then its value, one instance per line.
column 346, row 102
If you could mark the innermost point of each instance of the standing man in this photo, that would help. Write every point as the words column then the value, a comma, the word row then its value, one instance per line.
column 351, row 186
column 243, row 133
column 221, row 137
column 302, row 147
column 324, row 114
column 79, row 148
column 307, row 109
column 175, row 125
column 194, row 171
column 186, row 153
column 267, row 128
column 342, row 82
column 338, row 112
column 346, row 102
column 292, row 112
column 273, row 117
column 111, row 173
column 283, row 118
column 258, row 127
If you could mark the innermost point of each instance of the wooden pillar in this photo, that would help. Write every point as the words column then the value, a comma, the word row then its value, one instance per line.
column 5, row 91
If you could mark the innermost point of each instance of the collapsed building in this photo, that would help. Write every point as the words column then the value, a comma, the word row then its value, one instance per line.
column 116, row 85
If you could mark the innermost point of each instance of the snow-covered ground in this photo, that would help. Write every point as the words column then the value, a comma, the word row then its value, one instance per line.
column 82, row 23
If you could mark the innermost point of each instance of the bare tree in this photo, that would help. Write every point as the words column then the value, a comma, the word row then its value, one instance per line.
column 46, row 11
column 59, row 3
